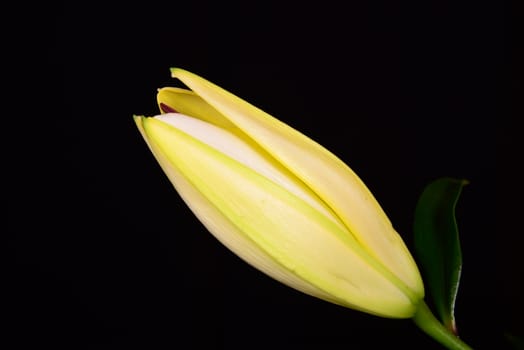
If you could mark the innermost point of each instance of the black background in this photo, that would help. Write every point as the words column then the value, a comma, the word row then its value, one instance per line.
column 105, row 255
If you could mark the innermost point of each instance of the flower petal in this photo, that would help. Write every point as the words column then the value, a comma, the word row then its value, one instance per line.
column 188, row 103
column 223, row 229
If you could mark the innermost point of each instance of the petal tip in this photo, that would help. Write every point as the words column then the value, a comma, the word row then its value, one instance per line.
column 175, row 71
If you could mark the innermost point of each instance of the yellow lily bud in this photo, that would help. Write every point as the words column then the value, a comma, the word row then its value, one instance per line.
column 280, row 201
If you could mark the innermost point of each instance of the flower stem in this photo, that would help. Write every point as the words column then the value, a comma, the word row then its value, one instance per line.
column 425, row 320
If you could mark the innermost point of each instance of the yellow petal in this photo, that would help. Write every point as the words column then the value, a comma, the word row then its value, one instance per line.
column 271, row 227
column 188, row 103
column 323, row 172
column 228, row 234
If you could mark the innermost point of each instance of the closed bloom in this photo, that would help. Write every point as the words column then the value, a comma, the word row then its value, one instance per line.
column 280, row 201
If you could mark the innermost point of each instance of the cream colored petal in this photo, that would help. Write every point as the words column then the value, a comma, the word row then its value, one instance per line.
column 323, row 172
column 299, row 238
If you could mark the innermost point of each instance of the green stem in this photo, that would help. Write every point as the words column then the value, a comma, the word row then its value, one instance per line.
column 425, row 320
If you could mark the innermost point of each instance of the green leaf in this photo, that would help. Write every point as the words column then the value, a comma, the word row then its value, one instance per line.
column 437, row 245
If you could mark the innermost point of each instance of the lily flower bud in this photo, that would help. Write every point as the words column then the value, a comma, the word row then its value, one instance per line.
column 280, row 201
